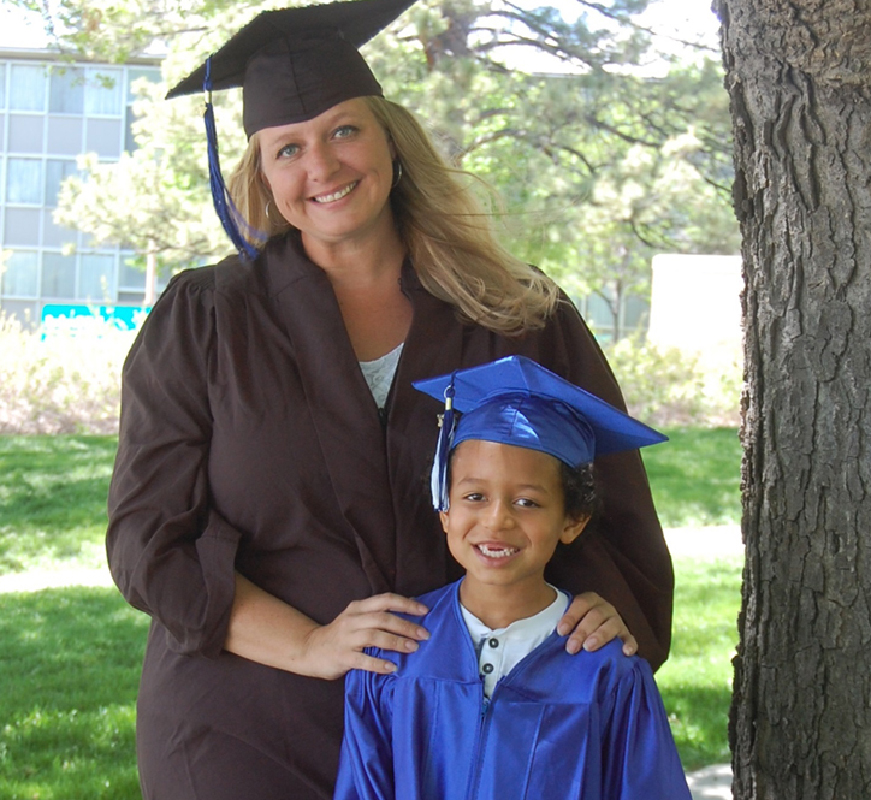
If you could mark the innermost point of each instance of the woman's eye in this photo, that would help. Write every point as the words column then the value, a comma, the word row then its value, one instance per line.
column 344, row 131
column 473, row 497
column 525, row 502
column 288, row 151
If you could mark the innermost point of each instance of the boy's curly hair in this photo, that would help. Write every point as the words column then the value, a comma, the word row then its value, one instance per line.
column 580, row 495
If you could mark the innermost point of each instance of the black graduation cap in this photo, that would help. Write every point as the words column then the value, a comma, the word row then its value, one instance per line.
column 292, row 64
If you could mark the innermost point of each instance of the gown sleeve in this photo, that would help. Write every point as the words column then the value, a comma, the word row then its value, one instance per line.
column 622, row 554
column 640, row 757
column 366, row 761
column 169, row 552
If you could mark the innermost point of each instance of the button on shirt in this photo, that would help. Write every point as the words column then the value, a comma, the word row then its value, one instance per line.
column 499, row 651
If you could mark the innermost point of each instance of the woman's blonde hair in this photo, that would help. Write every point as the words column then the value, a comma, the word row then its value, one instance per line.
column 448, row 235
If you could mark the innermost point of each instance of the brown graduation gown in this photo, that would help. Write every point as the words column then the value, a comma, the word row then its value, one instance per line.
column 250, row 441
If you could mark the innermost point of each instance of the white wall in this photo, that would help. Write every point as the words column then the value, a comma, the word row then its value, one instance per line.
column 695, row 302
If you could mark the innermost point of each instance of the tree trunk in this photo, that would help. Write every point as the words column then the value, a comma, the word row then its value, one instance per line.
column 799, row 77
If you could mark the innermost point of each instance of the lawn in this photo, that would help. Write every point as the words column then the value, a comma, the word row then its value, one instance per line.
column 53, row 492
column 696, row 681
column 70, row 658
column 53, row 500
column 696, row 477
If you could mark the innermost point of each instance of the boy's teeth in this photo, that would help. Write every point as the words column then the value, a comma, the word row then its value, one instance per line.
column 329, row 198
column 496, row 552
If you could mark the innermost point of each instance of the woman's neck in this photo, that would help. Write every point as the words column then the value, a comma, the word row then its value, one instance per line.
column 366, row 281
column 359, row 259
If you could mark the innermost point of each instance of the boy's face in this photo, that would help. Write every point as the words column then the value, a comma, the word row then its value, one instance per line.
column 506, row 514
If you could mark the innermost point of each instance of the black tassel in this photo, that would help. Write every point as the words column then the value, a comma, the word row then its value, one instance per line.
column 439, row 476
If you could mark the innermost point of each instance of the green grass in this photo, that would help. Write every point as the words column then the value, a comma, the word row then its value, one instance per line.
column 53, row 492
column 696, row 681
column 69, row 669
column 53, row 500
column 70, row 658
column 696, row 477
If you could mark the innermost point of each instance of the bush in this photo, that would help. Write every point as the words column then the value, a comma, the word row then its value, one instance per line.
column 668, row 387
column 61, row 383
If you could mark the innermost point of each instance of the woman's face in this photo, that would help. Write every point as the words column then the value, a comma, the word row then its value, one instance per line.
column 331, row 176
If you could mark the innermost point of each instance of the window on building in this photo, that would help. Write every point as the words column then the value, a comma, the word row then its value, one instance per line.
column 28, row 88
column 20, row 274
column 103, row 91
column 24, row 180
column 56, row 171
column 132, row 277
column 66, row 90
column 21, row 227
column 58, row 276
column 104, row 138
column 2, row 85
column 26, row 133
column 64, row 135
column 133, row 75
column 97, row 279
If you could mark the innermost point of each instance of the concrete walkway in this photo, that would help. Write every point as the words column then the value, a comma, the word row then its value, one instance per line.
column 710, row 783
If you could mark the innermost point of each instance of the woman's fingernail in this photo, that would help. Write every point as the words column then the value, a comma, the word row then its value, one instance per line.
column 389, row 666
column 573, row 646
column 591, row 644
column 562, row 629
column 410, row 645
column 422, row 633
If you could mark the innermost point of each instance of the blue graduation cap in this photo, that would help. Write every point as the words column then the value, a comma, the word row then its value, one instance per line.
column 516, row 401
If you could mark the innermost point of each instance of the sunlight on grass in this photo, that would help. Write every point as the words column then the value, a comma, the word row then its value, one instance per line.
column 696, row 477
column 53, row 500
column 696, row 681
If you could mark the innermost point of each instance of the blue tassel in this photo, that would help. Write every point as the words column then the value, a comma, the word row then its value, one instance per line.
column 439, row 476
column 224, row 205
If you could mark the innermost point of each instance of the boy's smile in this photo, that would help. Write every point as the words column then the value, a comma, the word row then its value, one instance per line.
column 505, row 519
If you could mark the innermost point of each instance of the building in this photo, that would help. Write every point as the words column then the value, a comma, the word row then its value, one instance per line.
column 51, row 111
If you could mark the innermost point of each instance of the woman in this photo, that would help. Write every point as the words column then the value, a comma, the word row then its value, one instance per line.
column 269, row 506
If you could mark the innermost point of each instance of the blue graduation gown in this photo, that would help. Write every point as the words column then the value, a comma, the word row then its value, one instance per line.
column 589, row 726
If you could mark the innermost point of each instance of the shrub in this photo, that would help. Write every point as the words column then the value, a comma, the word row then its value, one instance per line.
column 61, row 383
column 668, row 387
column 58, row 383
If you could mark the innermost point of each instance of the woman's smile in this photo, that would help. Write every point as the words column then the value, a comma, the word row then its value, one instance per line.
column 337, row 195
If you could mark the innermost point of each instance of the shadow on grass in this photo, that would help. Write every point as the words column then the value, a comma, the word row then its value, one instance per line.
column 699, row 719
column 53, row 498
column 70, row 661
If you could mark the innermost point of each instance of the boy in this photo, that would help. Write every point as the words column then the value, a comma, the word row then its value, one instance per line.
column 491, row 706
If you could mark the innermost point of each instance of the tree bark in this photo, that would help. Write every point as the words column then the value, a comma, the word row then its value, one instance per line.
column 799, row 77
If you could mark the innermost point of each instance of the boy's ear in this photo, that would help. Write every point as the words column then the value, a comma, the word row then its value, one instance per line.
column 443, row 516
column 573, row 527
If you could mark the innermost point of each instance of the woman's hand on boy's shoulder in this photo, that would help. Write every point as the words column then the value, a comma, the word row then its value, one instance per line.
column 591, row 622
column 331, row 650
